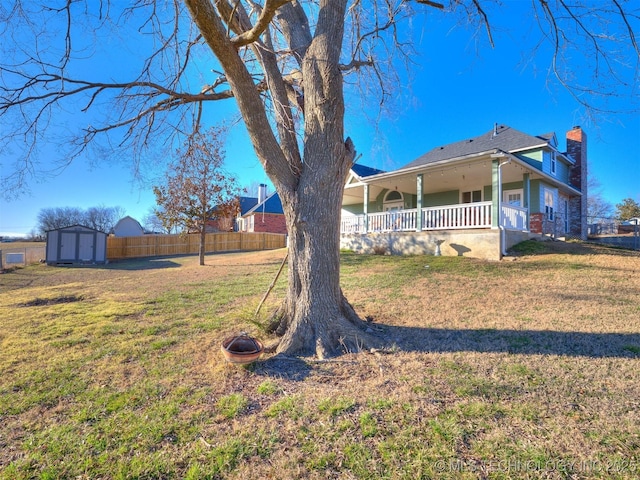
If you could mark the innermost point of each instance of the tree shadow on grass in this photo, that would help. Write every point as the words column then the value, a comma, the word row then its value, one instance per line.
column 442, row 340
column 525, row 342
column 152, row 263
column 288, row 368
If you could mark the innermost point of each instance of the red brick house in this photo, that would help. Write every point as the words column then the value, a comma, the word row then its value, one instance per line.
column 262, row 214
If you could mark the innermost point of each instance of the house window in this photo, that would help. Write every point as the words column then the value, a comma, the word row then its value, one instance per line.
column 393, row 201
column 472, row 196
column 548, row 204
column 550, row 161
column 512, row 197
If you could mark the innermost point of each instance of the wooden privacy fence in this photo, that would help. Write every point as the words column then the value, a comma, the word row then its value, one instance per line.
column 161, row 245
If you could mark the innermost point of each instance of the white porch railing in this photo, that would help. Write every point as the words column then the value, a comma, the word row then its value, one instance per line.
column 395, row 221
column 465, row 215
column 468, row 215
column 447, row 217
column 352, row 224
column 514, row 218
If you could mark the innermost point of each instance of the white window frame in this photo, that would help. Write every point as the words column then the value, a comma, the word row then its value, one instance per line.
column 549, row 203
column 550, row 159
column 471, row 192
column 392, row 205
column 517, row 191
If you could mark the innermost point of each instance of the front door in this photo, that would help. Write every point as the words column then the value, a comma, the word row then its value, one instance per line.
column 512, row 197
column 393, row 207
column 393, row 201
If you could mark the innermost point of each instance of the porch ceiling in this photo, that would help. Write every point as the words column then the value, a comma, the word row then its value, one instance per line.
column 462, row 176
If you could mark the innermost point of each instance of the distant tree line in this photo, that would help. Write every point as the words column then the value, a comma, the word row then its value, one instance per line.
column 99, row 218
column 627, row 209
column 600, row 211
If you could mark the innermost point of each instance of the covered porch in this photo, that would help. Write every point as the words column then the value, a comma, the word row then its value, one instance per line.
column 491, row 190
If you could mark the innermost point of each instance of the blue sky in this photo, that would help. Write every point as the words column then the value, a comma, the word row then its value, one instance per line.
column 459, row 88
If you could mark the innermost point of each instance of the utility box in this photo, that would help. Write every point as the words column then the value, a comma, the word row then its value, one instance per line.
column 15, row 258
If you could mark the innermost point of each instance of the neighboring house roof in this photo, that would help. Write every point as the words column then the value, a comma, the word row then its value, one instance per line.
column 271, row 204
column 502, row 138
column 128, row 226
column 247, row 203
column 364, row 171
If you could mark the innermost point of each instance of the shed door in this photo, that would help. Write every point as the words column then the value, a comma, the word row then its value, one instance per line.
column 67, row 246
column 86, row 245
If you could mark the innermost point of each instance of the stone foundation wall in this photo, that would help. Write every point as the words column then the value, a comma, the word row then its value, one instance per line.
column 483, row 244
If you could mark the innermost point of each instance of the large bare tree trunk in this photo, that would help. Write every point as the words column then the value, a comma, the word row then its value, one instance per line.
column 316, row 318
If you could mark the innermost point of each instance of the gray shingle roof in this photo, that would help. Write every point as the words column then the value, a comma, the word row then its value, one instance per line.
column 502, row 138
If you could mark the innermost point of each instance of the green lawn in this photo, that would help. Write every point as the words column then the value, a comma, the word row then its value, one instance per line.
column 516, row 369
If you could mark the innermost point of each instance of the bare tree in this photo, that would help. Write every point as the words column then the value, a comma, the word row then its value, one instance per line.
column 197, row 190
column 285, row 63
column 59, row 217
column 99, row 218
column 252, row 189
column 103, row 218
column 598, row 209
column 153, row 223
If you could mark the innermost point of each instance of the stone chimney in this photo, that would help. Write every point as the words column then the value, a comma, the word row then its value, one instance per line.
column 577, row 149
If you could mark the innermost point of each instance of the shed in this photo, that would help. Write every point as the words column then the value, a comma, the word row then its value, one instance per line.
column 76, row 245
column 128, row 227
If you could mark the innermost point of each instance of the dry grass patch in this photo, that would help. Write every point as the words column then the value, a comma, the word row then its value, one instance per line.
column 517, row 369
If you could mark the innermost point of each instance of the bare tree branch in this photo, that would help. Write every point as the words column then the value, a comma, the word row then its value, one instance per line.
column 431, row 4
column 265, row 143
column 266, row 15
column 485, row 21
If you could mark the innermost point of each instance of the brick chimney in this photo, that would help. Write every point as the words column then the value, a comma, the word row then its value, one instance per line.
column 577, row 149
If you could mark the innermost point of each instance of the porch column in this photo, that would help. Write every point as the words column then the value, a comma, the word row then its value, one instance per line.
column 419, row 192
column 526, row 195
column 495, row 193
column 365, row 208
